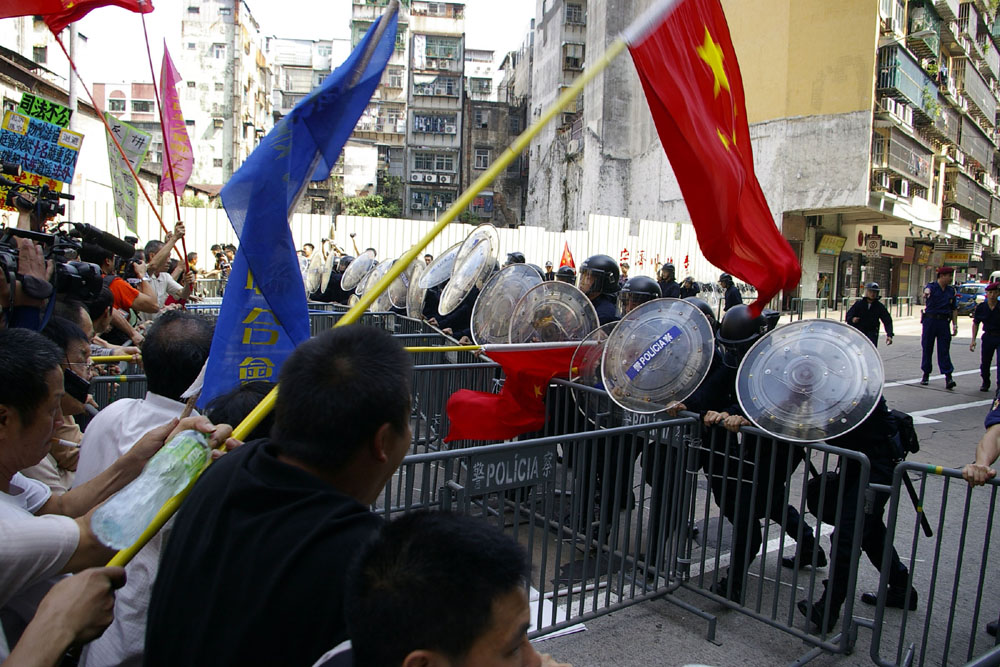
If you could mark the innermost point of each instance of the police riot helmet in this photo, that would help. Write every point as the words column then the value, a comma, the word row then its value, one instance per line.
column 705, row 308
column 668, row 268
column 637, row 291
column 514, row 258
column 726, row 279
column 873, row 287
column 566, row 274
column 738, row 332
column 599, row 274
column 537, row 269
column 343, row 262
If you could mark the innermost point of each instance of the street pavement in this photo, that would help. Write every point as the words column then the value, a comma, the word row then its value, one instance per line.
column 949, row 424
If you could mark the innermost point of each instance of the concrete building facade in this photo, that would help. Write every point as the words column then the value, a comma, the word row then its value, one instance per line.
column 866, row 118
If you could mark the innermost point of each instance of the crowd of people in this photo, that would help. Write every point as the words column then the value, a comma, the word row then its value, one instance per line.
column 278, row 540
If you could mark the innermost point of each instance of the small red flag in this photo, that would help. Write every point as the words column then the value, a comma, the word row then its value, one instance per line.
column 60, row 13
column 520, row 405
column 692, row 82
column 567, row 258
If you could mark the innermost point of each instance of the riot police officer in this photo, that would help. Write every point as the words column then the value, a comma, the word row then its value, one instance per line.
column 940, row 306
column 566, row 274
column 333, row 292
column 668, row 282
column 732, row 292
column 866, row 314
column 635, row 292
column 515, row 257
column 599, row 281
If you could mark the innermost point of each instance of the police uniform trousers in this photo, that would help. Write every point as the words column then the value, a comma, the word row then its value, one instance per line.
column 990, row 344
column 748, row 483
column 872, row 336
column 936, row 331
column 873, row 535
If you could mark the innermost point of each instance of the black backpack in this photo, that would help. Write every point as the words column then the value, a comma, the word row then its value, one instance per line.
column 905, row 433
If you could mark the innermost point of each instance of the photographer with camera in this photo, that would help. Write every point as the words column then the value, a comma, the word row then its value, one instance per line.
column 25, row 291
column 124, row 296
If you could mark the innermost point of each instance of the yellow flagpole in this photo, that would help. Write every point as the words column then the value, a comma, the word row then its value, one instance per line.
column 267, row 404
column 424, row 348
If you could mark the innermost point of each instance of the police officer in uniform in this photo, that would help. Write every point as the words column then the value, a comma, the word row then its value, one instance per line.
column 987, row 314
column 732, row 292
column 939, row 307
column 599, row 281
column 866, row 314
column 566, row 274
column 333, row 292
column 668, row 282
column 549, row 273
column 515, row 257
column 689, row 288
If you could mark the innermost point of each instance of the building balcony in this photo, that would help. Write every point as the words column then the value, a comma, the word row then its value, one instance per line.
column 965, row 193
column 901, row 77
column 975, row 91
column 924, row 38
column 902, row 155
column 976, row 145
column 947, row 9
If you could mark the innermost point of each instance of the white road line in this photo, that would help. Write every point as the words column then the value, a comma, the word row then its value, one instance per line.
column 920, row 416
column 934, row 377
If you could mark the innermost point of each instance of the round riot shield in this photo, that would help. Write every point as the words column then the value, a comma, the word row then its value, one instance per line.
column 415, row 293
column 474, row 262
column 491, row 314
column 552, row 312
column 400, row 286
column 585, row 371
column 373, row 277
column 810, row 380
column 313, row 272
column 659, row 353
column 440, row 269
column 357, row 270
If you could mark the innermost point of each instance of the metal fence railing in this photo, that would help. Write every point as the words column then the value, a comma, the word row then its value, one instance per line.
column 799, row 305
column 108, row 388
column 951, row 572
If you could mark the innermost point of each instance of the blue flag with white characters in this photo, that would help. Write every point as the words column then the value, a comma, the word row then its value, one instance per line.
column 264, row 313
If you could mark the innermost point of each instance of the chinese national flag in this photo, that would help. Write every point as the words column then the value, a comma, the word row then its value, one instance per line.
column 519, row 407
column 60, row 13
column 567, row 258
column 689, row 73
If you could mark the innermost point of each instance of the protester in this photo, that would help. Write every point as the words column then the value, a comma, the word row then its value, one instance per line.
column 175, row 351
column 866, row 313
column 459, row 582
column 940, row 306
column 987, row 451
column 428, row 258
column 271, row 529
column 988, row 315
column 157, row 255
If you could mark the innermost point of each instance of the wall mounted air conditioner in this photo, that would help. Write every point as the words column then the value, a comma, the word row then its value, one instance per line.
column 444, row 178
column 430, row 178
column 951, row 214
column 416, row 177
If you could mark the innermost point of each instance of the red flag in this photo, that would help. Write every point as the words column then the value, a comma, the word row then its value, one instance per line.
column 60, row 13
column 567, row 258
column 692, row 82
column 519, row 407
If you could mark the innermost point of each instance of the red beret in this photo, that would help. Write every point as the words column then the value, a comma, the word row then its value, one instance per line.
column 945, row 270
column 993, row 286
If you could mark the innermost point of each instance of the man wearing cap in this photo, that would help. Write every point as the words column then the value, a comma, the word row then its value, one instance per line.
column 549, row 273
column 988, row 314
column 866, row 314
column 939, row 307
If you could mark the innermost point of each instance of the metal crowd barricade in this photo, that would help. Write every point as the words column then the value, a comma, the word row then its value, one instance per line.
column 902, row 301
column 108, row 388
column 209, row 287
column 431, row 386
column 952, row 571
column 585, row 540
column 799, row 303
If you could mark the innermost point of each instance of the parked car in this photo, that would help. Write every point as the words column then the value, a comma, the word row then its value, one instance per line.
column 969, row 296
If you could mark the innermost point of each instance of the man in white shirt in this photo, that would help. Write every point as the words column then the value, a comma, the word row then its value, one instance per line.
column 35, row 548
column 157, row 258
column 176, row 347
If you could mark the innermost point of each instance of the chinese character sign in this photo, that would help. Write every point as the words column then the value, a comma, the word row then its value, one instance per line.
column 135, row 143
column 42, row 109
column 39, row 147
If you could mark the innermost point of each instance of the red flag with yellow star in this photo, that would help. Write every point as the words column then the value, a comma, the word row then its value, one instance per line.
column 692, row 82
column 60, row 13
column 520, row 405
column 567, row 257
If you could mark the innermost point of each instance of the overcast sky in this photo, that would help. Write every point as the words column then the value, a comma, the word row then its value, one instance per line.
column 117, row 51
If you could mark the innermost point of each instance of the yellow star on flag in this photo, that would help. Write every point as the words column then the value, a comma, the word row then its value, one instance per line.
column 538, row 391
column 712, row 54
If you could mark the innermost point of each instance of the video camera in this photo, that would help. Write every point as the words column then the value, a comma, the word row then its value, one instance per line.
column 46, row 204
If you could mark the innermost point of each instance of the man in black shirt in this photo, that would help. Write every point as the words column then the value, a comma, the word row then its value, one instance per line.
column 254, row 572
column 866, row 314
column 668, row 282
column 733, row 296
column 988, row 315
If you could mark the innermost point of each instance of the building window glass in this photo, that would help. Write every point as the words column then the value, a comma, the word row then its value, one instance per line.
column 481, row 118
column 481, row 85
column 441, row 85
column 194, row 10
column 217, row 162
column 189, row 123
column 441, row 47
column 515, row 125
column 434, row 124
column 218, row 50
column 574, row 14
column 116, row 105
column 324, row 50
column 191, row 46
column 219, row 86
column 444, row 162
column 572, row 56
column 423, row 162
column 482, row 158
column 40, row 54
column 142, row 106
column 225, row 11
column 394, row 77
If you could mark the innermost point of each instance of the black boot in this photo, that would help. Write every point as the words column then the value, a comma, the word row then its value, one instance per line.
column 991, row 628
column 721, row 588
column 805, row 559
column 925, row 379
column 949, row 382
column 815, row 611
column 985, row 386
column 895, row 597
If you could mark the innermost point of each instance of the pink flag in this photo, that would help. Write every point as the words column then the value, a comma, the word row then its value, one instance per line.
column 179, row 155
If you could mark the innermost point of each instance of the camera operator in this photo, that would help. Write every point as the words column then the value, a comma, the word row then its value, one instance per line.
column 24, row 301
column 124, row 295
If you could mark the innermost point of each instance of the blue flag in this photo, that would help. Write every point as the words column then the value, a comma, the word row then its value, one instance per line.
column 264, row 313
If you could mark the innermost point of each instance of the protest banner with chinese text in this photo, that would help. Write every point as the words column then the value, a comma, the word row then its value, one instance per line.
column 135, row 143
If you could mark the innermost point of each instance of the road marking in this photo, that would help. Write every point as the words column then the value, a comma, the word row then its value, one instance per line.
column 933, row 377
column 920, row 416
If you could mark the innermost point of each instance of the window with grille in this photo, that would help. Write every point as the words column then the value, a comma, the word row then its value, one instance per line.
column 217, row 162
column 441, row 47
column 116, row 105
column 142, row 106
column 573, row 56
column 442, row 85
column 40, row 54
column 482, row 158
column 574, row 14
column 481, row 85
column 434, row 124
column 481, row 118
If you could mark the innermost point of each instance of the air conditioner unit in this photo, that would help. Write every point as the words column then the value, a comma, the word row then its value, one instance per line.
column 959, row 157
column 907, row 114
column 882, row 180
column 432, row 63
column 416, row 206
column 983, row 227
column 444, row 178
column 964, row 103
column 573, row 146
column 888, row 105
column 951, row 214
column 416, row 177
column 904, row 188
column 430, row 178
column 449, row 129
